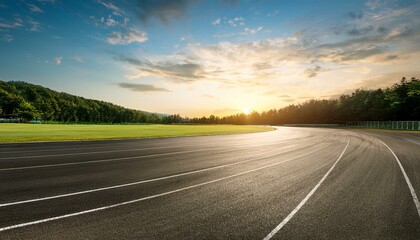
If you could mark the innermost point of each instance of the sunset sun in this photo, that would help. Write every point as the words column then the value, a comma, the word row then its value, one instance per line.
column 246, row 111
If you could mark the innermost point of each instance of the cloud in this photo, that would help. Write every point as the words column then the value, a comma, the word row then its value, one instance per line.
column 288, row 100
column 209, row 96
column 10, row 25
column 47, row 1
column 216, row 21
column 35, row 9
column 238, row 21
column 7, row 38
column 142, row 87
column 79, row 59
column 126, row 38
column 6, row 25
column 110, row 21
column 163, row 10
column 273, row 13
column 313, row 72
column 288, row 60
column 354, row 15
column 253, row 30
column 35, row 26
column 181, row 71
column 360, row 31
column 58, row 60
column 115, row 10
column 247, row 63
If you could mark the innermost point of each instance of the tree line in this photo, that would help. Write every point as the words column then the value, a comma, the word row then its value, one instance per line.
column 26, row 102
column 399, row 102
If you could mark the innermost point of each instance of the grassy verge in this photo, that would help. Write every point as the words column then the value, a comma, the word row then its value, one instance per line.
column 10, row 132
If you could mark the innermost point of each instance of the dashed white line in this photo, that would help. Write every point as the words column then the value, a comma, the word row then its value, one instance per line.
column 407, row 180
column 149, row 197
column 300, row 205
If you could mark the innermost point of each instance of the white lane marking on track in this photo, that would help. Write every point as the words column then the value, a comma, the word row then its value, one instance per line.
column 407, row 180
column 300, row 205
column 85, row 153
column 108, row 160
column 149, row 197
column 127, row 158
column 134, row 183
column 99, row 152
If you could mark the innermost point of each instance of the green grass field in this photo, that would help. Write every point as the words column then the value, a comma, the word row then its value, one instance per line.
column 14, row 132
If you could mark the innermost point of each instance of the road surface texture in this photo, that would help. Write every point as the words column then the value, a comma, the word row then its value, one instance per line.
column 292, row 183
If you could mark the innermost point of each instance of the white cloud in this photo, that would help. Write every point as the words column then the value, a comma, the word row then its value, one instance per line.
column 8, row 25
column 247, row 63
column 273, row 13
column 253, row 30
column 110, row 21
column 58, row 60
column 79, row 59
column 35, row 9
column 238, row 21
column 47, row 1
column 115, row 10
column 127, row 38
column 216, row 22
column 35, row 26
column 7, row 38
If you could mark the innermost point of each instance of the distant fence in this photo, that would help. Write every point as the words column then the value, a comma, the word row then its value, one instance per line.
column 397, row 125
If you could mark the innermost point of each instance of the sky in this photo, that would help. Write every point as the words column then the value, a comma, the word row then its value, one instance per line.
column 199, row 57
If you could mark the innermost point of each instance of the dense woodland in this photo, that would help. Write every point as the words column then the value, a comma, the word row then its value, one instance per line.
column 27, row 101
column 398, row 102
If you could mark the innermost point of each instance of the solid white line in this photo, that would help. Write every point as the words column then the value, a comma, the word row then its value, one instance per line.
column 99, row 152
column 298, row 207
column 407, row 180
column 85, row 153
column 135, row 183
column 148, row 197
column 107, row 160
column 126, row 158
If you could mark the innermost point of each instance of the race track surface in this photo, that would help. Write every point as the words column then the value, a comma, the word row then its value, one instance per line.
column 292, row 183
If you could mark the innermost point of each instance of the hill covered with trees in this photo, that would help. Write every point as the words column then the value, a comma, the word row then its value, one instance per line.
column 398, row 102
column 28, row 101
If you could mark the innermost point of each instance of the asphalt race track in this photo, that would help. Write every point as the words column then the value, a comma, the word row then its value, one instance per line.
column 292, row 183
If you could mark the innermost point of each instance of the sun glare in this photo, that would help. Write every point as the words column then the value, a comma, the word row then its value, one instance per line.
column 245, row 111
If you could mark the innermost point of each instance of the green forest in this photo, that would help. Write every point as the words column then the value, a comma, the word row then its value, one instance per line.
column 26, row 102
column 398, row 102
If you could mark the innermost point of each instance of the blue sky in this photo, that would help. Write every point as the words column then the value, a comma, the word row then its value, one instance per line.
column 208, row 57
